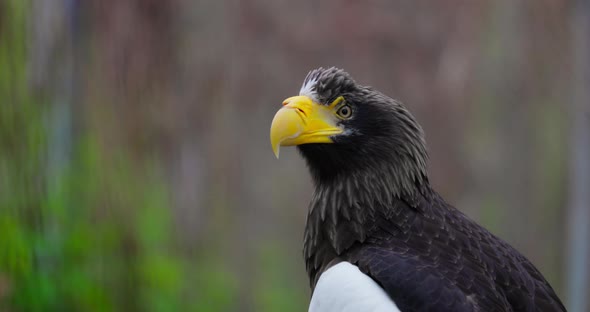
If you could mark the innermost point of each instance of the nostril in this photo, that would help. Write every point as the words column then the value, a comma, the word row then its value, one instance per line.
column 285, row 102
column 300, row 111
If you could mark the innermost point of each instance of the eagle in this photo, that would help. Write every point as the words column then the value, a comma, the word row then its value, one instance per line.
column 378, row 237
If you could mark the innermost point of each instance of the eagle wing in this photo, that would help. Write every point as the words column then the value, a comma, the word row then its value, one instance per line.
column 418, row 285
column 440, row 260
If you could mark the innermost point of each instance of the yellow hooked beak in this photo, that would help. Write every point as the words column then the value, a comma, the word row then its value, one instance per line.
column 302, row 121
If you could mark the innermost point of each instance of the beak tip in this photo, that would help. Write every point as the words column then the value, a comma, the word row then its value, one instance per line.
column 275, row 150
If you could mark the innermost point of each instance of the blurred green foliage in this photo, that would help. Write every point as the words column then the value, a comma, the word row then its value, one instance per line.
column 96, row 237
column 275, row 291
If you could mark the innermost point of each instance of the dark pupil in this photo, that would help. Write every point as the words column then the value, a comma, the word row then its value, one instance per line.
column 344, row 111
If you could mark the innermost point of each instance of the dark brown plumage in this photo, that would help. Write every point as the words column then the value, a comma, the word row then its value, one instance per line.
column 373, row 206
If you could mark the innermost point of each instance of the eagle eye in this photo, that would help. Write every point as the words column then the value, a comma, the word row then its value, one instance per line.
column 344, row 111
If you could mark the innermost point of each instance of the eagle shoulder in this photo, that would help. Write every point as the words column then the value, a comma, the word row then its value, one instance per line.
column 344, row 288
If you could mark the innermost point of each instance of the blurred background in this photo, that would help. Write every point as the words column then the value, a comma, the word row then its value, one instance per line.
column 136, row 172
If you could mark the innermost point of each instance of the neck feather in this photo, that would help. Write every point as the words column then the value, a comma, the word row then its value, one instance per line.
column 346, row 209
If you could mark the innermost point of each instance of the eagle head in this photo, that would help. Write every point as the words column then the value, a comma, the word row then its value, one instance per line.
column 342, row 129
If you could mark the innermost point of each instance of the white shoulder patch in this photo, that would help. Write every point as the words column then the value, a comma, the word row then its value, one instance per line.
column 344, row 288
